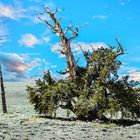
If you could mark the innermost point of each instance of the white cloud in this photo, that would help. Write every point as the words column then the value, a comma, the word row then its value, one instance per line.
column 133, row 72
column 16, row 67
column 76, row 49
column 102, row 17
column 29, row 40
column 11, row 12
column 134, row 75
column 124, row 67
column 16, row 11
column 17, row 63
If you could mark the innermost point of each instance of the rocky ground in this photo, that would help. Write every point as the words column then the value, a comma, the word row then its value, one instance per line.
column 22, row 123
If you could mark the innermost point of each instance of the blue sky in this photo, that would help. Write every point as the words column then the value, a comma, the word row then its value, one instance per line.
column 29, row 48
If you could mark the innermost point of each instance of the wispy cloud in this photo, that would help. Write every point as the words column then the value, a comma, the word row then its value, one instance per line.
column 76, row 49
column 16, row 10
column 4, row 32
column 133, row 72
column 11, row 12
column 101, row 17
column 134, row 75
column 123, row 2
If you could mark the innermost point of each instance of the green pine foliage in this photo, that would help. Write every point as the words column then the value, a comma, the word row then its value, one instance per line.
column 96, row 91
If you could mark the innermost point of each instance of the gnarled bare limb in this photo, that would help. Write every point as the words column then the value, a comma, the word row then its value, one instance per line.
column 74, row 32
column 92, row 47
column 64, row 72
column 120, row 48
column 66, row 48
column 77, row 60
column 50, row 25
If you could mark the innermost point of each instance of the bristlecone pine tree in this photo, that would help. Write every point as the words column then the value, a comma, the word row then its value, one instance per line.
column 89, row 92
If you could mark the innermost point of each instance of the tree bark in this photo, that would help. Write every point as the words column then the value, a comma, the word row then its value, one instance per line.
column 4, row 107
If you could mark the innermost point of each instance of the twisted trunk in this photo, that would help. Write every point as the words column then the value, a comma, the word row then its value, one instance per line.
column 65, row 42
column 72, row 66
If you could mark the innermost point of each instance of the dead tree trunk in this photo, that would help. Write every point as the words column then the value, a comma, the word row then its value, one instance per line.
column 4, row 107
column 65, row 41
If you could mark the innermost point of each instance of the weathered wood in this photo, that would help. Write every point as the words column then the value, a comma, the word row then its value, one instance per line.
column 4, row 107
column 65, row 41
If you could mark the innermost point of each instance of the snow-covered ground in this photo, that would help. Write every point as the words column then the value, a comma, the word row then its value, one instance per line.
column 22, row 123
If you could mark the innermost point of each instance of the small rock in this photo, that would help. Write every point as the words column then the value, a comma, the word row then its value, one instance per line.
column 104, row 130
column 130, row 137
column 83, row 129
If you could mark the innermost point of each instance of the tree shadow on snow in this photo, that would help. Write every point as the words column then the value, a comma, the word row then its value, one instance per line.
column 125, row 122
column 119, row 122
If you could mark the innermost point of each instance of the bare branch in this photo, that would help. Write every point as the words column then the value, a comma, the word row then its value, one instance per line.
column 67, row 29
column 60, row 19
column 80, row 47
column 92, row 47
column 56, row 10
column 47, row 10
column 77, row 59
column 50, row 25
column 61, row 51
column 63, row 72
column 74, row 32
column 120, row 48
